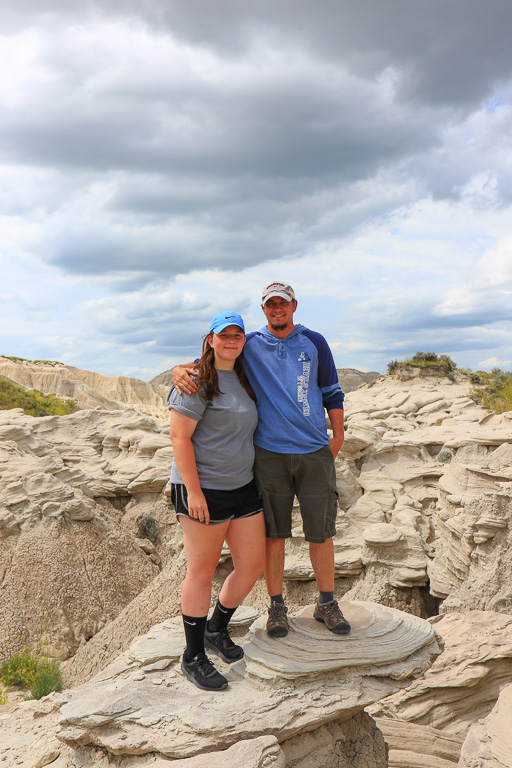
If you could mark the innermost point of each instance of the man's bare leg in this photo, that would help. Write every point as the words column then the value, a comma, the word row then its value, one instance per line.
column 322, row 560
column 274, row 566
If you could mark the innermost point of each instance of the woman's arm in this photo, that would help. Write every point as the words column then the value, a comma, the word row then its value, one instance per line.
column 182, row 429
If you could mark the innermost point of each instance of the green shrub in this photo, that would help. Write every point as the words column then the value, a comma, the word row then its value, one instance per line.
column 444, row 455
column 425, row 360
column 148, row 528
column 48, row 678
column 494, row 390
column 24, row 670
column 20, row 669
column 33, row 402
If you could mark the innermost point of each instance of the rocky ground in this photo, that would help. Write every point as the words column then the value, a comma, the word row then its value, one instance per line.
column 422, row 561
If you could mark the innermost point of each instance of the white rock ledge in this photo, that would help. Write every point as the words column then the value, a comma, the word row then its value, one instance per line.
column 283, row 687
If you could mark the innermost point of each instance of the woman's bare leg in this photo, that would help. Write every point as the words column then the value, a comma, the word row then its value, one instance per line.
column 245, row 538
column 203, row 545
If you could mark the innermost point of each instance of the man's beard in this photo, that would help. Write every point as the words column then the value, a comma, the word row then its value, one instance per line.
column 280, row 327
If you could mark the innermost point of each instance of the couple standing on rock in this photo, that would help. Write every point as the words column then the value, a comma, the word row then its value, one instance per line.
column 229, row 418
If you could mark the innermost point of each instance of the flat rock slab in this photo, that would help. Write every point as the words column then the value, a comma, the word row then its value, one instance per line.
column 379, row 636
column 283, row 687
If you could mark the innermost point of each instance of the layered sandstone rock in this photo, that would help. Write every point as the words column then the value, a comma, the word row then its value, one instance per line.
column 489, row 743
column 295, row 702
column 425, row 487
column 454, row 704
column 142, row 703
column 72, row 489
column 418, row 746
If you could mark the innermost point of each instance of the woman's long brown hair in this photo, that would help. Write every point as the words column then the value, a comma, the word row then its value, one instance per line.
column 208, row 381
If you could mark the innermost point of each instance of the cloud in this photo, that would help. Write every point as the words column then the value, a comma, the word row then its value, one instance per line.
column 158, row 160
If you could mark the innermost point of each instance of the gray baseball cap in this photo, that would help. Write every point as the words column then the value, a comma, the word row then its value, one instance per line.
column 283, row 290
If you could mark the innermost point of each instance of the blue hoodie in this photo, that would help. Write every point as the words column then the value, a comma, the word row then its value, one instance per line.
column 293, row 379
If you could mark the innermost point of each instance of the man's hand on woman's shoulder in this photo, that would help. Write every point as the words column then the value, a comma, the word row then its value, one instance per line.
column 182, row 378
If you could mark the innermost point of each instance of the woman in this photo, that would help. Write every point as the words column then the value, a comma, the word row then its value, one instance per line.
column 215, row 496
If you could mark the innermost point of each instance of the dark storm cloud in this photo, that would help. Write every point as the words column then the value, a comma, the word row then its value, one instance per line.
column 229, row 137
column 297, row 127
column 451, row 51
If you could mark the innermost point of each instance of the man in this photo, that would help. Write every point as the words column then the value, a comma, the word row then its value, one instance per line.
column 292, row 372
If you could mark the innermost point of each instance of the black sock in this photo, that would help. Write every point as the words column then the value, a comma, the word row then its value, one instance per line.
column 194, row 635
column 221, row 617
column 326, row 597
column 277, row 599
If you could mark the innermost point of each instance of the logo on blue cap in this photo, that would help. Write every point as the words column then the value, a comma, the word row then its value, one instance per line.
column 222, row 319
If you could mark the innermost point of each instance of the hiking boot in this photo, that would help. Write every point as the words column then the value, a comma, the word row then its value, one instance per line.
column 332, row 617
column 202, row 673
column 277, row 623
column 221, row 643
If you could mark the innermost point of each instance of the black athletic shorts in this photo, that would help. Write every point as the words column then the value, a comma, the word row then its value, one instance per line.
column 222, row 505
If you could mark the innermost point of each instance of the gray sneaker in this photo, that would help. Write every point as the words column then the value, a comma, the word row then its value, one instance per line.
column 277, row 623
column 332, row 617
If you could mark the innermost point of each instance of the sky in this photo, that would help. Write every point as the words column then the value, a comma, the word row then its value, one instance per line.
column 163, row 160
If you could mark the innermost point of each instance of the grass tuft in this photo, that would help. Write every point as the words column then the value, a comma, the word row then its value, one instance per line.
column 48, row 678
column 444, row 455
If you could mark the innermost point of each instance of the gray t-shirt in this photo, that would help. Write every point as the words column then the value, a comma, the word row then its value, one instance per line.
column 222, row 439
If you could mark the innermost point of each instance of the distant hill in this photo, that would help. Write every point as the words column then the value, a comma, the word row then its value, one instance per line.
column 349, row 378
column 86, row 388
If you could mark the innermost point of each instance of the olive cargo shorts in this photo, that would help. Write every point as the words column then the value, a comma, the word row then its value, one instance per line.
column 309, row 476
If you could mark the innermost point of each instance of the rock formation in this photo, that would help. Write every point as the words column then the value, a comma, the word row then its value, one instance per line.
column 425, row 522
column 72, row 489
column 454, row 703
column 488, row 743
column 294, row 701
column 425, row 480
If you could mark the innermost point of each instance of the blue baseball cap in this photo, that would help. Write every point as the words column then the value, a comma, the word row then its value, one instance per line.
column 223, row 319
